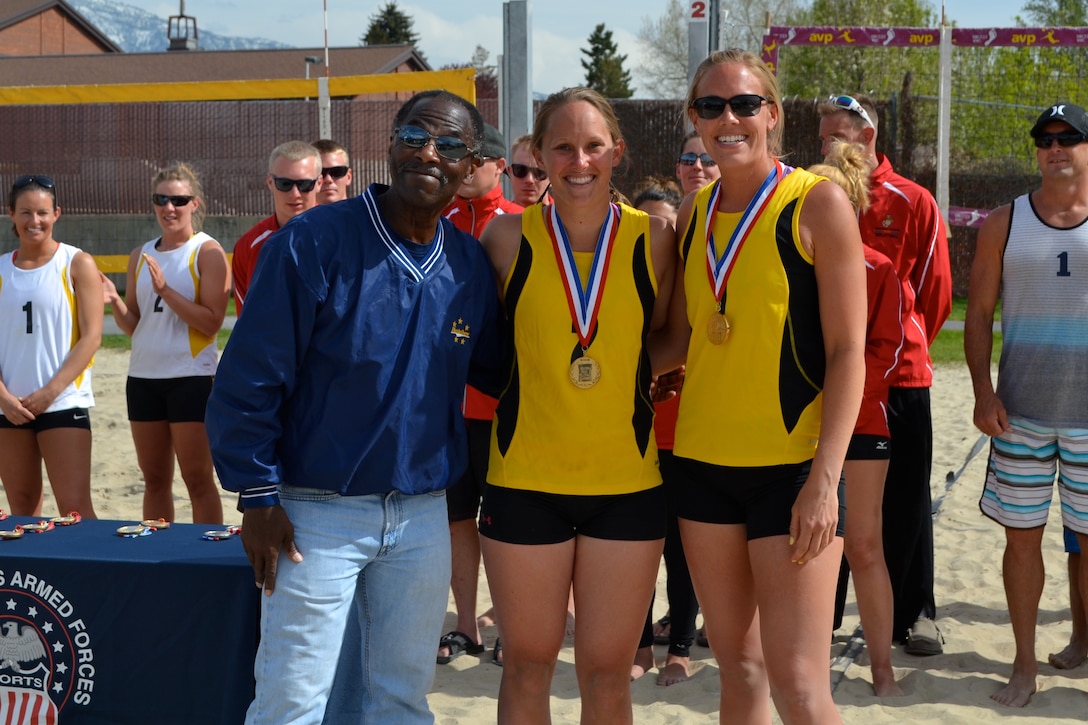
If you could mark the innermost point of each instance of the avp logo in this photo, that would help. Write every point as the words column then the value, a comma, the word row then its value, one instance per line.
column 46, row 660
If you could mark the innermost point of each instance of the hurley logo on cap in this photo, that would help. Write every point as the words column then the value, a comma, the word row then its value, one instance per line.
column 1068, row 113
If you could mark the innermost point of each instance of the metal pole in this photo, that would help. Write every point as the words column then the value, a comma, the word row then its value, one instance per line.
column 516, row 74
column 324, row 108
column 944, row 119
column 698, row 37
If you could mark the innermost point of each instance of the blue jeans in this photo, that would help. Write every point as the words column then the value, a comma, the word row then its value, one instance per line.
column 378, row 565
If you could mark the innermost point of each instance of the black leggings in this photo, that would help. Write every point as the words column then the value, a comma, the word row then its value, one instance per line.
column 683, row 606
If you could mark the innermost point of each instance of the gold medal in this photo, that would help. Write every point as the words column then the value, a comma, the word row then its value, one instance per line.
column 16, row 533
column 133, row 530
column 585, row 372
column 38, row 527
column 69, row 520
column 156, row 524
column 717, row 329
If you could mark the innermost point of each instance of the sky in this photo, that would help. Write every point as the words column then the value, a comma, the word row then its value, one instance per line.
column 450, row 30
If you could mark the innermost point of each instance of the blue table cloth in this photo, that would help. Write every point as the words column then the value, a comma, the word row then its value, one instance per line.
column 96, row 628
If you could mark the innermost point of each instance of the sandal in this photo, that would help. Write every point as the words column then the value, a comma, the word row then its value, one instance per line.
column 496, row 654
column 458, row 643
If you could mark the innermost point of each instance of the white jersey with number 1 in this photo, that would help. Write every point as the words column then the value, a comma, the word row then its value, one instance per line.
column 39, row 326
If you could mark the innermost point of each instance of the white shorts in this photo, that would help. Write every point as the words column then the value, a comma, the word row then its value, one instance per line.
column 1020, row 476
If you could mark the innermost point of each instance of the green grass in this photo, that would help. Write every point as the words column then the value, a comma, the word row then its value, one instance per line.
column 948, row 347
column 959, row 309
column 122, row 342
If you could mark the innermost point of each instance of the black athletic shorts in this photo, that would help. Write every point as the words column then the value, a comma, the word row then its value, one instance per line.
column 68, row 418
column 178, row 400
column 463, row 497
column 867, row 447
column 531, row 517
column 759, row 497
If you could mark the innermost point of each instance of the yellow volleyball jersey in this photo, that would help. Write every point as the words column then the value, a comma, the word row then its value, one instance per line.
column 755, row 399
column 550, row 435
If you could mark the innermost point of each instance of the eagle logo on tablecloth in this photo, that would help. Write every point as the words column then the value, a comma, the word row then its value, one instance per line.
column 43, row 645
column 24, row 677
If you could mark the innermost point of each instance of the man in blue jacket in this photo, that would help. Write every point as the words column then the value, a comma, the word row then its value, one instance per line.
column 336, row 414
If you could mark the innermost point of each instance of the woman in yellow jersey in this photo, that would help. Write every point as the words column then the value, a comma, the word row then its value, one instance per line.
column 574, row 494
column 771, row 311
column 175, row 300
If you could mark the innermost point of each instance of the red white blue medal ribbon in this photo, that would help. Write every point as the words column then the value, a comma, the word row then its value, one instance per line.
column 718, row 270
column 584, row 302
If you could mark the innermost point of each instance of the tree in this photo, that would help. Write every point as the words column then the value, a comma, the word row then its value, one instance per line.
column 664, row 67
column 389, row 27
column 487, row 81
column 604, row 67
column 745, row 22
column 815, row 72
column 1057, row 13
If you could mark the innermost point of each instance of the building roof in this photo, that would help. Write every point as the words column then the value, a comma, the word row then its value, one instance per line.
column 16, row 11
column 206, row 65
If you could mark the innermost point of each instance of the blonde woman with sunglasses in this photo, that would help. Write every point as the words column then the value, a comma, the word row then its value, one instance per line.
column 175, row 300
column 769, row 307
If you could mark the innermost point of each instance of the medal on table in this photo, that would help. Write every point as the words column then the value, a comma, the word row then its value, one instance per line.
column 584, row 302
column 718, row 270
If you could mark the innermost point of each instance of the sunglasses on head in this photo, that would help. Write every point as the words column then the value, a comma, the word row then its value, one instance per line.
column 520, row 171
column 448, row 147
column 691, row 157
column 24, row 181
column 1065, row 139
column 282, row 183
column 178, row 201
column 849, row 103
column 335, row 172
column 745, row 104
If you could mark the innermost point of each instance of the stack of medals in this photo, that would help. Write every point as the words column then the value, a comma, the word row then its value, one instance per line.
column 584, row 303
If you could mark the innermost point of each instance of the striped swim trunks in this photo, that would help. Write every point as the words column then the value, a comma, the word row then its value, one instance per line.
column 1020, row 476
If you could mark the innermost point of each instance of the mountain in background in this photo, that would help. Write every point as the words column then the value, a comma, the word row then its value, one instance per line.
column 138, row 31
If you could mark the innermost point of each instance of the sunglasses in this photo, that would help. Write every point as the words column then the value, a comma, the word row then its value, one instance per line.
column 448, row 147
column 1065, row 139
column 745, row 104
column 282, row 183
column 520, row 171
column 849, row 103
column 335, row 172
column 24, row 181
column 178, row 201
column 691, row 157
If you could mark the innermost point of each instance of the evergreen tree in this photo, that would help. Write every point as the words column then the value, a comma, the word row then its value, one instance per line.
column 604, row 66
column 389, row 27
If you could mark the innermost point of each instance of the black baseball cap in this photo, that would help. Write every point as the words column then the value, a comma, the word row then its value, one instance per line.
column 494, row 145
column 1068, row 113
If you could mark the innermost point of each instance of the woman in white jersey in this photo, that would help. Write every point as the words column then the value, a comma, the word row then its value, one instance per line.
column 175, row 301
column 50, row 328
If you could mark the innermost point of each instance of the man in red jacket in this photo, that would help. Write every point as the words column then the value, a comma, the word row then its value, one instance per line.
column 480, row 196
column 905, row 224
column 478, row 201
